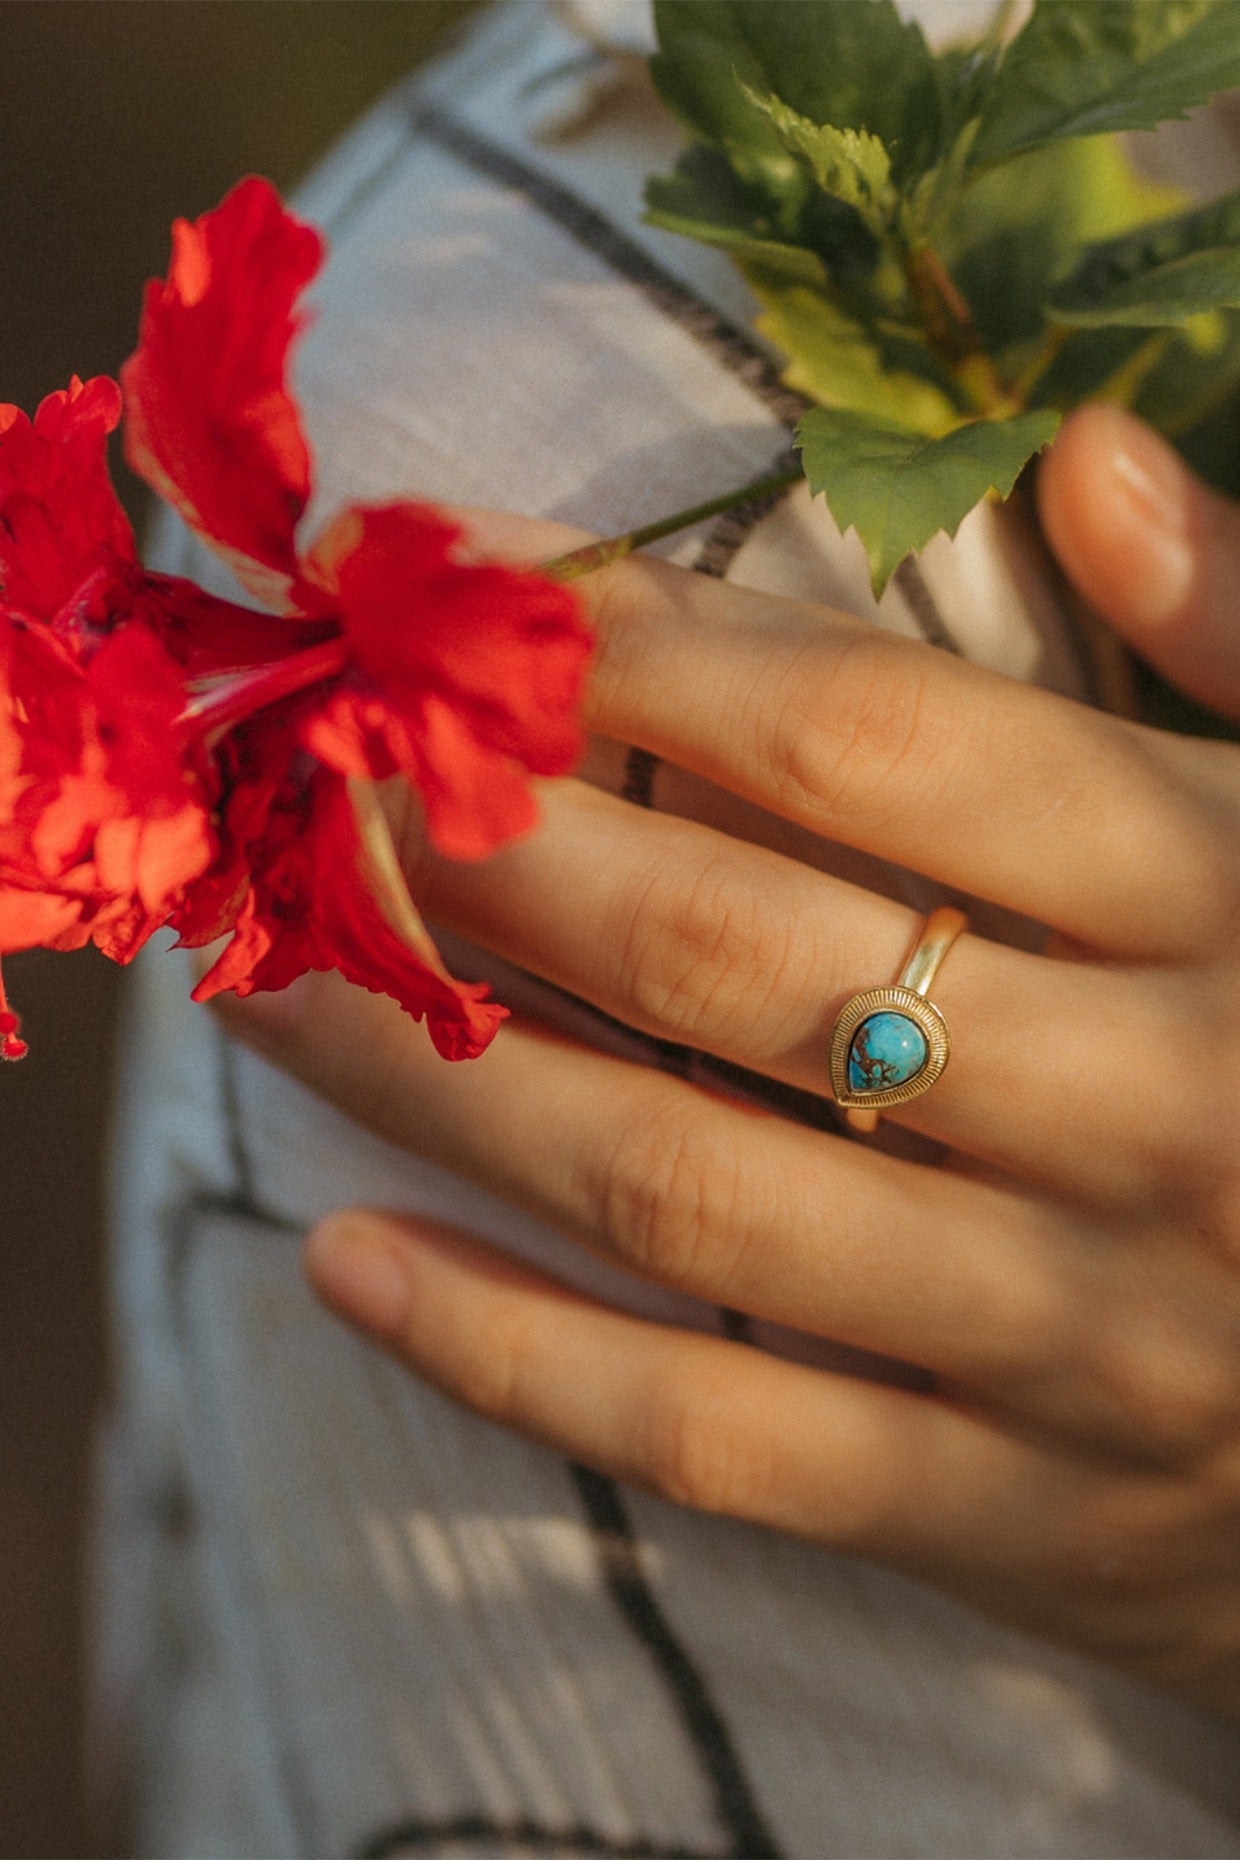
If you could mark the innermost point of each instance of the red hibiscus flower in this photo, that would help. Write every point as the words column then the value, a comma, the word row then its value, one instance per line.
column 169, row 758
column 104, row 814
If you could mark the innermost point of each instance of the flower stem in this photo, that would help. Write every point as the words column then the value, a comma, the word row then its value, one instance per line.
column 596, row 555
column 952, row 333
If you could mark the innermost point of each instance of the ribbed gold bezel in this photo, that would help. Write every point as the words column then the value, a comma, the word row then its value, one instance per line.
column 874, row 1001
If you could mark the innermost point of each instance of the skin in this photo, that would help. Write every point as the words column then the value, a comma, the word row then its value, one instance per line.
column 1063, row 1254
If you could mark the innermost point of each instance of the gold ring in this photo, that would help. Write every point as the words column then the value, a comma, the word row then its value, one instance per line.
column 890, row 1044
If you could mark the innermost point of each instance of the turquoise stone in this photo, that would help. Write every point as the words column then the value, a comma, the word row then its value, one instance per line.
column 887, row 1049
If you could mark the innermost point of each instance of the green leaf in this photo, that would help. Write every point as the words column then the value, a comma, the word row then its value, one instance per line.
column 1197, row 403
column 897, row 488
column 1196, row 373
column 1024, row 224
column 852, row 63
column 1085, row 69
column 1162, row 274
column 839, row 361
column 849, row 164
column 703, row 199
column 1095, row 364
column 1175, row 293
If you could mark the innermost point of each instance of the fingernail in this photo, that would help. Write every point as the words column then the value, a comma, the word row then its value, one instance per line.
column 1157, row 487
column 353, row 1266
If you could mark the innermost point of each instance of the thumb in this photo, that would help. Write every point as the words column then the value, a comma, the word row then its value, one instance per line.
column 1151, row 548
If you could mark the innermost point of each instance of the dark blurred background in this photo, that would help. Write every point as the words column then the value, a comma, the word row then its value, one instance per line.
column 117, row 115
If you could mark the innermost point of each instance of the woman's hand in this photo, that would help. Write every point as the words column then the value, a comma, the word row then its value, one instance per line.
column 1065, row 1265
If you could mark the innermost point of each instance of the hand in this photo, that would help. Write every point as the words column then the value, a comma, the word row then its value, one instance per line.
column 1065, row 1265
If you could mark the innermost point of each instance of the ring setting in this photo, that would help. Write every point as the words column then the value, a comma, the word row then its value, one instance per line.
column 890, row 1044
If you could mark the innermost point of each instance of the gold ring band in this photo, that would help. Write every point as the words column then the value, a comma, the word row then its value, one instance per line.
column 890, row 1044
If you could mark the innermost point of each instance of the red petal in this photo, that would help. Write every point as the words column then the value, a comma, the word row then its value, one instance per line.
column 60, row 521
column 210, row 422
column 104, row 812
column 12, row 1046
column 465, row 678
column 314, row 905
column 31, row 919
column 209, row 637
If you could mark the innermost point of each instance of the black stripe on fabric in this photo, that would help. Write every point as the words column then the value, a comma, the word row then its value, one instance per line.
column 245, row 1187
column 730, row 531
column 726, row 340
column 640, row 768
column 518, row 1837
column 737, row 1325
column 924, row 608
column 620, row 1562
column 673, row 1058
column 334, row 223
column 731, row 345
column 408, row 96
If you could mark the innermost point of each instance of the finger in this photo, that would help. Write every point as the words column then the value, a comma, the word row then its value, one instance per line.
column 1087, row 1335
column 995, row 788
column 706, row 1196
column 735, row 950
column 683, row 1413
column 1151, row 547
column 989, row 786
column 863, row 1468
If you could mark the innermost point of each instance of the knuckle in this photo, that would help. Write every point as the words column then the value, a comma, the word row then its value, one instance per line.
column 693, row 1455
column 1184, row 1109
column 697, row 946
column 1117, row 1549
column 661, row 1191
column 1202, row 865
column 842, row 735
column 1183, row 837
column 1171, row 1390
column 491, row 1379
column 624, row 604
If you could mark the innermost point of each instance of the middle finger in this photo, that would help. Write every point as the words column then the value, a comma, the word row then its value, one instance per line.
column 1079, row 820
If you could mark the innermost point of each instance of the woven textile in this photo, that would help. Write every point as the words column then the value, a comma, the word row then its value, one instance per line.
column 344, row 1617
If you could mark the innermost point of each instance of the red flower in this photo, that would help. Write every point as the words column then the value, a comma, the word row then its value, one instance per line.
column 166, row 757
column 104, row 816
column 63, row 528
column 460, row 678
column 361, row 922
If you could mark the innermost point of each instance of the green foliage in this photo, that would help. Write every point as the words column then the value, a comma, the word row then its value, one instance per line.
column 1166, row 273
column 850, row 165
column 1026, row 222
column 1086, row 69
column 898, row 488
column 951, row 243
column 1192, row 385
column 704, row 198
column 840, row 362
column 852, row 63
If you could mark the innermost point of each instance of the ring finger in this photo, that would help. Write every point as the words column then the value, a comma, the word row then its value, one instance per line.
column 695, row 937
